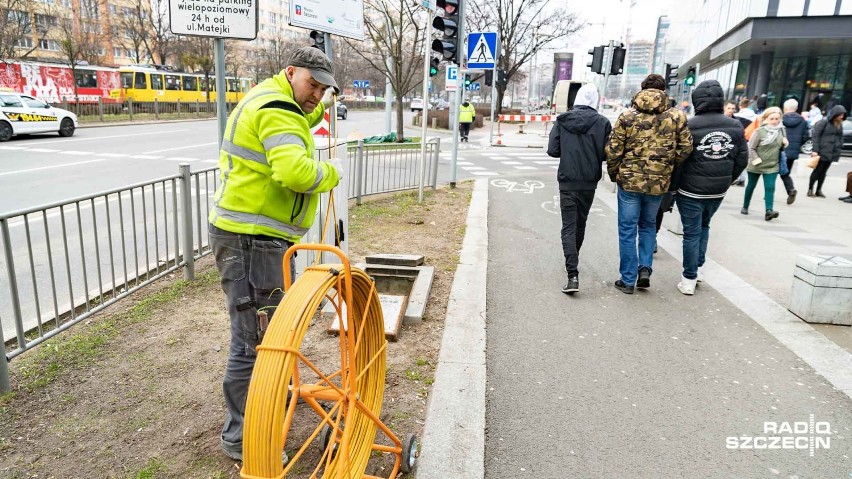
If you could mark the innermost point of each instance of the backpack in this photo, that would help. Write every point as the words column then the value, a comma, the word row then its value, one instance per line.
column 751, row 128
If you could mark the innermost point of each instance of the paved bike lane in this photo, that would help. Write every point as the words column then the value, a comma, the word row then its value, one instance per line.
column 657, row 384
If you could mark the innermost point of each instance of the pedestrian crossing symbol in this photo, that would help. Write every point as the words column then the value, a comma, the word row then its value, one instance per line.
column 482, row 50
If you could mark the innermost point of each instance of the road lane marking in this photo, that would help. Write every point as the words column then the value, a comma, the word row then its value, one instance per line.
column 484, row 173
column 76, row 153
column 526, row 168
column 548, row 162
column 511, row 162
column 5, row 173
column 112, row 136
column 42, row 150
column 111, row 155
column 460, row 163
column 472, row 168
column 146, row 157
column 211, row 161
column 183, row 147
column 4, row 147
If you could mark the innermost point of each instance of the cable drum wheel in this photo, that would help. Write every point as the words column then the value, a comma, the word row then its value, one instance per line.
column 355, row 392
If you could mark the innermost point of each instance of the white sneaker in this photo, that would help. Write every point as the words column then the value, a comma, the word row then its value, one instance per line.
column 687, row 286
column 700, row 277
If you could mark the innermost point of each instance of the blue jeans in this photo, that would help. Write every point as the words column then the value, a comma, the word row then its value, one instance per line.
column 252, row 278
column 695, row 215
column 636, row 212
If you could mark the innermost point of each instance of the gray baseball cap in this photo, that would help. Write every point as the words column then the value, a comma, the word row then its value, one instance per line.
column 317, row 63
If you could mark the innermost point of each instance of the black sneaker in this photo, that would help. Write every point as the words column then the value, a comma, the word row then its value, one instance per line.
column 791, row 197
column 572, row 286
column 623, row 287
column 644, row 279
column 770, row 215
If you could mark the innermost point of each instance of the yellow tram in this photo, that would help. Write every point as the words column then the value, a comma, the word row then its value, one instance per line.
column 145, row 83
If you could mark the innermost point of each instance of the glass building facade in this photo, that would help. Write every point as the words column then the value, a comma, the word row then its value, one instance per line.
column 798, row 49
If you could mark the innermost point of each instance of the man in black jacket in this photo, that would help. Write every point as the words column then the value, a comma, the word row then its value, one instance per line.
column 719, row 155
column 797, row 135
column 578, row 140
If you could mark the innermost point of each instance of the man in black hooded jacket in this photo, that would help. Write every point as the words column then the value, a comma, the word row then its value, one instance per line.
column 719, row 155
column 578, row 140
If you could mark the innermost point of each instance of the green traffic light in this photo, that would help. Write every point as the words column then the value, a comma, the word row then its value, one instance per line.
column 433, row 71
column 690, row 81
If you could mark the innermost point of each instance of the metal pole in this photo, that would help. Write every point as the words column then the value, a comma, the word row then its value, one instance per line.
column 427, row 55
column 493, row 101
column 606, row 72
column 186, row 213
column 16, row 307
column 359, row 171
column 332, row 124
column 435, row 159
column 221, row 108
column 454, row 119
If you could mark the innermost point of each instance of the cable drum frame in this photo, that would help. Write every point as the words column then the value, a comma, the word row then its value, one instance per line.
column 351, row 423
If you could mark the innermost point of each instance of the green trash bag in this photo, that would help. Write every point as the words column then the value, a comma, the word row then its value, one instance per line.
column 389, row 138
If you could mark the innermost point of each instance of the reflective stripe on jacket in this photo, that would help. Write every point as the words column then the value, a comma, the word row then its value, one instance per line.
column 466, row 113
column 270, row 183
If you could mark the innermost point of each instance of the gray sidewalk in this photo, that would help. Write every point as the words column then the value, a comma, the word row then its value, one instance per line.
column 656, row 384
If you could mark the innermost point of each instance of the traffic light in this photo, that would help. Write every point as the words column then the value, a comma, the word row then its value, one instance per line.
column 502, row 81
column 489, row 77
column 448, row 25
column 318, row 40
column 617, row 64
column 690, row 77
column 467, row 81
column 434, row 63
column 596, row 64
column 671, row 74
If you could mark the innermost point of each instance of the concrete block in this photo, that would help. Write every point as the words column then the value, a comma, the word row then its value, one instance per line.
column 396, row 259
column 822, row 290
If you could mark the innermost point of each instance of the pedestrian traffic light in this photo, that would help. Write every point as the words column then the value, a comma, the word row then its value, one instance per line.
column 690, row 77
column 671, row 74
column 596, row 64
column 489, row 77
column 617, row 63
column 467, row 81
column 434, row 63
column 318, row 40
column 448, row 25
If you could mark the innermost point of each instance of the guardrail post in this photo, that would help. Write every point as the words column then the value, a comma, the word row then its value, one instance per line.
column 130, row 108
column 197, row 108
column 156, row 109
column 186, row 214
column 178, row 108
column 435, row 158
column 101, row 108
column 359, row 171
column 16, row 302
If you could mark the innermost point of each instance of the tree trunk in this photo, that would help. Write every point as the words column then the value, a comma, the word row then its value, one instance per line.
column 400, row 126
column 501, row 92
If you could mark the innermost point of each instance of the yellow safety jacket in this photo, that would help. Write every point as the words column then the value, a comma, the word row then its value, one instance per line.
column 270, row 183
column 466, row 113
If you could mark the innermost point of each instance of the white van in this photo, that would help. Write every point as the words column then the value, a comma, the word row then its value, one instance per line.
column 564, row 95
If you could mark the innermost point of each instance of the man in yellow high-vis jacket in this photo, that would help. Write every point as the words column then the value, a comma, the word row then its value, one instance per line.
column 266, row 201
column 467, row 113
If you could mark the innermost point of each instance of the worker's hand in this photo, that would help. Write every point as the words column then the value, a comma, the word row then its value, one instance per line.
column 785, row 142
column 338, row 165
column 328, row 98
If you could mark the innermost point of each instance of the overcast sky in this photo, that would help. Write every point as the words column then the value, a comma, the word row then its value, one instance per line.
column 608, row 20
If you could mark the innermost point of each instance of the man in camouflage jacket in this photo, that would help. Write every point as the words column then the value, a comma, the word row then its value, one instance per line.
column 648, row 141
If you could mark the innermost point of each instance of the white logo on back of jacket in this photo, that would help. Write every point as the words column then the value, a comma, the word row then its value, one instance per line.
column 715, row 145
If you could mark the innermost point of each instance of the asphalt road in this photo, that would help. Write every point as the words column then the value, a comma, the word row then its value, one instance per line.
column 603, row 384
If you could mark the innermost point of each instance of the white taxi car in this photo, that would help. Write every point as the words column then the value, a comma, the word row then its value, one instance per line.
column 22, row 114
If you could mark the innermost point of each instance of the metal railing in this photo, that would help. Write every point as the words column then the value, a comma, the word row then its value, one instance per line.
column 65, row 261
column 106, row 111
column 387, row 167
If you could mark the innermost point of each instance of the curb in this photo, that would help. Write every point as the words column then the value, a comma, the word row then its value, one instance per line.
column 453, row 444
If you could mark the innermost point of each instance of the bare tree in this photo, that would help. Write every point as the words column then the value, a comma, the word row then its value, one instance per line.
column 160, row 43
column 133, row 31
column 80, row 37
column 523, row 26
column 272, row 54
column 196, row 54
column 395, row 34
column 17, row 26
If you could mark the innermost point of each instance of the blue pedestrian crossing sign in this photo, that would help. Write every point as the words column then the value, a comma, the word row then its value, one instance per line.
column 482, row 50
column 361, row 83
column 475, row 86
